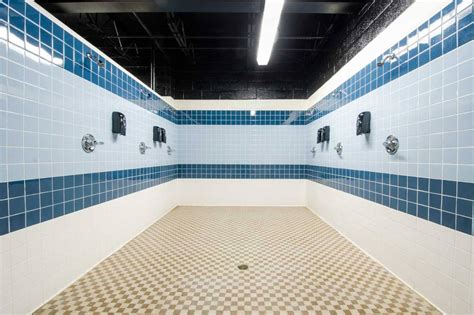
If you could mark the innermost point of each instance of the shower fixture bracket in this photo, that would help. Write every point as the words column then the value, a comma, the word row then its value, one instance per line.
column 338, row 148
column 142, row 147
column 313, row 150
column 391, row 144
column 89, row 143
column 100, row 63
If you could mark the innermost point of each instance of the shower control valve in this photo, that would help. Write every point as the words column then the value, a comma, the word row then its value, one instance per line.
column 89, row 143
column 391, row 144
column 142, row 147
column 338, row 148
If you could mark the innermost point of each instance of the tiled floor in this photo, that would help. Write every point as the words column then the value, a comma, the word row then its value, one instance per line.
column 188, row 261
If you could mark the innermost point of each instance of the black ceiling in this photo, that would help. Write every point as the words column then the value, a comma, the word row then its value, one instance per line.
column 207, row 49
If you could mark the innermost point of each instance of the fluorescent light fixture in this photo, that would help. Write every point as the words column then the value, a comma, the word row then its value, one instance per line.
column 268, row 30
column 416, row 14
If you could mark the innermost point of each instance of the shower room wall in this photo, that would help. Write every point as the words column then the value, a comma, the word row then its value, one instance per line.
column 411, row 211
column 235, row 158
column 63, row 210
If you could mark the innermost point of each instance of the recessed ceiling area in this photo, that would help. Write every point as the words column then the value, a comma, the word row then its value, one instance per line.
column 191, row 49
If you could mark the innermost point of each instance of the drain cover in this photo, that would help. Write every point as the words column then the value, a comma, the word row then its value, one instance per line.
column 243, row 267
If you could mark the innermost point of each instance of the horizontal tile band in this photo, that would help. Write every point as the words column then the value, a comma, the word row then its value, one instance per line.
column 32, row 31
column 25, row 203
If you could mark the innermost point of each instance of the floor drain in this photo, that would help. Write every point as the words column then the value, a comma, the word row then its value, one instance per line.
column 243, row 267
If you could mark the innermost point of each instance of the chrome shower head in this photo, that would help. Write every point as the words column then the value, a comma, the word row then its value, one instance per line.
column 96, row 59
column 390, row 57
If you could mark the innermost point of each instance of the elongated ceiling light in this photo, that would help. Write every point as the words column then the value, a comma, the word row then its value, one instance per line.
column 268, row 30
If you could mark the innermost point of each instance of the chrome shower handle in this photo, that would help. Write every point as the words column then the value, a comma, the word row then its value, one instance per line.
column 391, row 144
column 142, row 147
column 89, row 143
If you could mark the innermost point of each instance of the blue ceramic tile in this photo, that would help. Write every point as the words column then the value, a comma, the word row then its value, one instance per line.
column 449, row 188
column 46, row 23
column 17, row 222
column 464, row 207
column 46, row 184
column 69, row 207
column 16, row 205
column 18, row 6
column 449, row 44
column 46, row 199
column 46, row 214
column 423, row 198
column 435, row 186
column 435, row 216
column 435, row 201
column 16, row 20
column 422, row 212
column 3, row 208
column 3, row 226
column 3, row 12
column 448, row 220
column 464, row 224
column 32, row 202
column 465, row 190
column 32, row 30
column 16, row 189
column 3, row 191
column 58, row 210
column 32, row 217
column 466, row 34
column 32, row 14
column 449, row 204
column 58, row 183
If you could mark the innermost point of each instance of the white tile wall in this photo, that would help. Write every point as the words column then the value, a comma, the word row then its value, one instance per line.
column 435, row 261
column 38, row 262
column 44, row 112
column 210, row 144
column 431, row 112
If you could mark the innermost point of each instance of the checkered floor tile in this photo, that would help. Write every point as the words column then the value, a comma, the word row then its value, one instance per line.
column 187, row 263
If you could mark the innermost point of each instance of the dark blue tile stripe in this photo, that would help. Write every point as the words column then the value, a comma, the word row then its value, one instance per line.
column 448, row 203
column 37, row 200
column 24, row 203
column 242, row 171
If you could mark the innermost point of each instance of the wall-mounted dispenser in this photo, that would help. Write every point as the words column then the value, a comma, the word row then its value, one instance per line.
column 89, row 143
column 320, row 135
column 163, row 135
column 119, row 123
column 326, row 133
column 391, row 145
column 363, row 123
column 156, row 133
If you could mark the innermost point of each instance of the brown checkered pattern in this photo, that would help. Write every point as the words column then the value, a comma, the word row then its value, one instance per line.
column 186, row 263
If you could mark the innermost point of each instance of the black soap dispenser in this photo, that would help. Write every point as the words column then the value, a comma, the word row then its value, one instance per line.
column 119, row 123
column 363, row 123
column 159, row 134
column 325, row 135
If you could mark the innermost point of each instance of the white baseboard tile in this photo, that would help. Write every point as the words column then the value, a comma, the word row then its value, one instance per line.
column 242, row 192
column 433, row 260
column 40, row 261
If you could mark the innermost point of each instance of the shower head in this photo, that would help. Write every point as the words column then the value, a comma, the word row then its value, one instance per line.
column 96, row 59
column 390, row 57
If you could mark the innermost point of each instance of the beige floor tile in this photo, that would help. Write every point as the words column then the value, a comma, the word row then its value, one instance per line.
column 187, row 262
